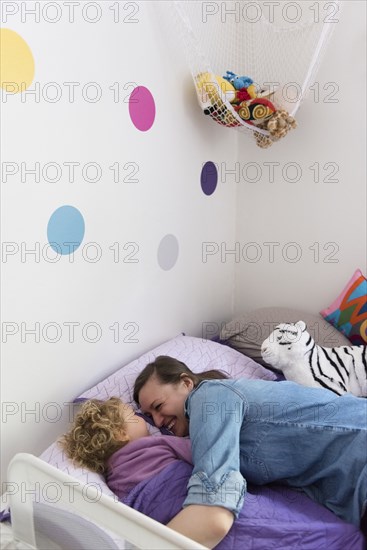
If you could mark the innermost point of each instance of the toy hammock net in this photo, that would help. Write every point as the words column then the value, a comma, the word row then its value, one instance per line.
column 278, row 45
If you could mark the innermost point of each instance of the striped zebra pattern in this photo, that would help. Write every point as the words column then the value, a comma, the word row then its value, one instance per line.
column 292, row 350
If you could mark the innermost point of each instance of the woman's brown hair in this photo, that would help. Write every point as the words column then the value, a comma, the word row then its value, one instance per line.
column 169, row 370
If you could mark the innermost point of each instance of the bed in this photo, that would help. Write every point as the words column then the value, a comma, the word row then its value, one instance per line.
column 272, row 516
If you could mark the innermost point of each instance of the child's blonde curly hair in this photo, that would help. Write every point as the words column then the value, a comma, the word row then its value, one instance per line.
column 98, row 432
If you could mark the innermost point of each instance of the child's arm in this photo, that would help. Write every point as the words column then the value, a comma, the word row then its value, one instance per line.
column 207, row 525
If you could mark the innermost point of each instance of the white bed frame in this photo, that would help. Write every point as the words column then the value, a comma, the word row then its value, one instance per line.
column 26, row 472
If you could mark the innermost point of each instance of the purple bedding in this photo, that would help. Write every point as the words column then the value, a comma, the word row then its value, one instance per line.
column 273, row 517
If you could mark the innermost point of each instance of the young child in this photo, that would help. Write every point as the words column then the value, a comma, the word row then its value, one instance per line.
column 107, row 437
column 100, row 429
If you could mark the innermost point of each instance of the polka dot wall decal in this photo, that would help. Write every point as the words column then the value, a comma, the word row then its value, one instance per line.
column 142, row 108
column 16, row 61
column 168, row 252
column 65, row 229
column 209, row 178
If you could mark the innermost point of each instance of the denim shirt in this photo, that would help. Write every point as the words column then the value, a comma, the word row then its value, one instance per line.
column 263, row 432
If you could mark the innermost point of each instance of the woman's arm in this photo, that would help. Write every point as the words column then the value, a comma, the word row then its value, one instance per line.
column 207, row 525
column 216, row 414
column 216, row 487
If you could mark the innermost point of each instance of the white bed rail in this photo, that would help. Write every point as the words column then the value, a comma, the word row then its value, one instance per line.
column 28, row 473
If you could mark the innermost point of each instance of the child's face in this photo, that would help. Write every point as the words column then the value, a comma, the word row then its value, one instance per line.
column 135, row 426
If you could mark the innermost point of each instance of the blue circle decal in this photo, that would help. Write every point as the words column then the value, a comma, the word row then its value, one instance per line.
column 65, row 229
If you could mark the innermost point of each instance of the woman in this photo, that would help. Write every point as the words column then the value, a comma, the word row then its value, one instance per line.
column 259, row 431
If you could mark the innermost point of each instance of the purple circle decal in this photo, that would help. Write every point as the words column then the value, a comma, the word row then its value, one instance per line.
column 142, row 108
column 209, row 178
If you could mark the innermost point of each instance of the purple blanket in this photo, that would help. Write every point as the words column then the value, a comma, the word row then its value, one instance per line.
column 144, row 458
column 272, row 517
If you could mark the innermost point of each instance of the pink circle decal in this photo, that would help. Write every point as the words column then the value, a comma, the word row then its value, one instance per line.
column 142, row 108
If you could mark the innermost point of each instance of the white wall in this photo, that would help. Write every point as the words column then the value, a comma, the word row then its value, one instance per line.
column 329, row 217
column 41, row 376
column 167, row 200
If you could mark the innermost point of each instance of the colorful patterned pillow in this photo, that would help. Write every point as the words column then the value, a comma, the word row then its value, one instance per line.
column 349, row 311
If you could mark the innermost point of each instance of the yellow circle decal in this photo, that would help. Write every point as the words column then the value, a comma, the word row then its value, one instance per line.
column 16, row 62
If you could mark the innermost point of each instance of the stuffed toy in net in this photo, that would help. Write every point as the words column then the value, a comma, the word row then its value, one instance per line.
column 234, row 100
column 271, row 49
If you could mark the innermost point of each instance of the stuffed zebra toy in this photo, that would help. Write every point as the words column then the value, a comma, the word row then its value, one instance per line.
column 292, row 350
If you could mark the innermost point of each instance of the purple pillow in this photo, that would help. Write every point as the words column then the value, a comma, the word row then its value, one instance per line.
column 198, row 354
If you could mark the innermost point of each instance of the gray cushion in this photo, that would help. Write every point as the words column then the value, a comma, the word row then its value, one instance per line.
column 247, row 332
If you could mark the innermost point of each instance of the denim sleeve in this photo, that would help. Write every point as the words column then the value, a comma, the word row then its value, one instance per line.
column 216, row 412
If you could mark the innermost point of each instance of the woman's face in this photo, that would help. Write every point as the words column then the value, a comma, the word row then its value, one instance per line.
column 134, row 426
column 165, row 404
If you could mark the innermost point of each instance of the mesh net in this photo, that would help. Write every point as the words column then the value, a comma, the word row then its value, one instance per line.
column 277, row 44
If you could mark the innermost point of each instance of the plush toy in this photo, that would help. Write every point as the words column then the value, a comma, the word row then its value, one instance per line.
column 278, row 125
column 243, row 95
column 222, row 115
column 256, row 111
column 214, row 92
column 292, row 350
column 245, row 88
column 254, row 107
column 238, row 81
column 262, row 140
column 214, row 88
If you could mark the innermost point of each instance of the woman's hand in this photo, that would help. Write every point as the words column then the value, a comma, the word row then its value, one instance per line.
column 207, row 525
